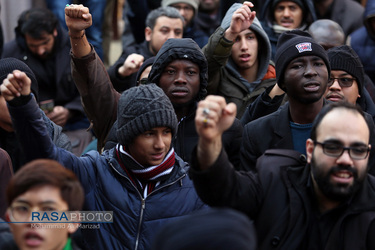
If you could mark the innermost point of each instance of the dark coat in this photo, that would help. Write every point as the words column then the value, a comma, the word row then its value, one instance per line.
column 123, row 83
column 278, row 199
column 62, row 90
column 108, row 188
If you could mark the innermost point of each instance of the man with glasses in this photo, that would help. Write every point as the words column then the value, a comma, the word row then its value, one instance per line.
column 324, row 204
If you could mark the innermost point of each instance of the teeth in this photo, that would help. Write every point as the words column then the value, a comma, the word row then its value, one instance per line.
column 343, row 175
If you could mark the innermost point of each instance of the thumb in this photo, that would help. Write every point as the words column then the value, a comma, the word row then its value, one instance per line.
column 24, row 81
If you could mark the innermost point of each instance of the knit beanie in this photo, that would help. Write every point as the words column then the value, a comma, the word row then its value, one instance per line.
column 142, row 108
column 346, row 59
column 194, row 3
column 293, row 44
column 7, row 65
column 299, row 2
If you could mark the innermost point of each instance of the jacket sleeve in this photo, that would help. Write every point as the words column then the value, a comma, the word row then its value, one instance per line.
column 99, row 97
column 232, row 142
column 262, row 106
column 36, row 143
column 248, row 156
column 222, row 186
column 119, row 82
column 217, row 52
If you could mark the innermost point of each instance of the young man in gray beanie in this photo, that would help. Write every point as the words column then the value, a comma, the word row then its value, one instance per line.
column 141, row 180
column 188, row 10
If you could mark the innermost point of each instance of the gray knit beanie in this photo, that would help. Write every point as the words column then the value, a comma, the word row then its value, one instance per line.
column 7, row 65
column 142, row 108
column 194, row 3
column 346, row 59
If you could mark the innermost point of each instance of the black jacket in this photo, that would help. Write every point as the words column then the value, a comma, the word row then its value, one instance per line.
column 123, row 83
column 279, row 200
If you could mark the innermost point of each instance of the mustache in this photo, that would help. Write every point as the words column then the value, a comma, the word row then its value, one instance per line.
column 347, row 168
column 334, row 93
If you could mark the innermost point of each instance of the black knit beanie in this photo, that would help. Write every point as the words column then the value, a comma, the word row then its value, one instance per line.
column 7, row 65
column 293, row 44
column 346, row 59
column 299, row 2
column 142, row 108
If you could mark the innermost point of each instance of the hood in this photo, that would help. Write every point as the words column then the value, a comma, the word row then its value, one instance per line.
column 180, row 48
column 263, row 41
column 369, row 12
column 266, row 12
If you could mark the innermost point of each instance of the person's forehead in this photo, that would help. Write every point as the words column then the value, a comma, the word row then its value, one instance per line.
column 287, row 3
column 167, row 21
column 185, row 62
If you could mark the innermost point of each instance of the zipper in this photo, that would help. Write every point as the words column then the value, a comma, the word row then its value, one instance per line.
column 143, row 206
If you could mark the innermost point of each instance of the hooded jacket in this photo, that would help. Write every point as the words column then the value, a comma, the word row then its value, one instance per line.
column 224, row 77
column 267, row 20
column 363, row 41
column 187, row 137
column 108, row 187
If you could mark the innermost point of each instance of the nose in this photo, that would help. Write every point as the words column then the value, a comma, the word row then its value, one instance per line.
column 172, row 34
column 159, row 142
column 243, row 44
column 335, row 85
column 41, row 50
column 180, row 77
column 310, row 70
column 345, row 158
column 286, row 12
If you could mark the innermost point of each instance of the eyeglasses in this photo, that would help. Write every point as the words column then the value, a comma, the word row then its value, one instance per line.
column 344, row 82
column 143, row 81
column 336, row 150
column 22, row 212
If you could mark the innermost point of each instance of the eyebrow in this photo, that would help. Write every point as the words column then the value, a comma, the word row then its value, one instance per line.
column 40, row 203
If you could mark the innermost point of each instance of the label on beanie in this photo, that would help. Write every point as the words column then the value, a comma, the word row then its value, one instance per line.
column 302, row 47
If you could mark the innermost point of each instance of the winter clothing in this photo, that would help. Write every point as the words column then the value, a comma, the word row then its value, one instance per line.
column 299, row 2
column 53, row 75
column 293, row 44
column 109, row 187
column 267, row 19
column 187, row 136
column 145, row 107
column 362, row 41
column 214, row 229
column 224, row 76
column 144, row 65
column 282, row 204
column 344, row 58
column 119, row 82
column 6, row 172
column 193, row 3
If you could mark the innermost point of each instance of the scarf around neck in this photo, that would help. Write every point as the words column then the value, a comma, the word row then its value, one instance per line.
column 146, row 178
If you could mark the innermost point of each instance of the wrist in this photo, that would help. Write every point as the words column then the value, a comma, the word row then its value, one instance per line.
column 76, row 34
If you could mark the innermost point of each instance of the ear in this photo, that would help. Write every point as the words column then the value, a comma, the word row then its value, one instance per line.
column 7, row 216
column 148, row 33
column 55, row 32
column 309, row 149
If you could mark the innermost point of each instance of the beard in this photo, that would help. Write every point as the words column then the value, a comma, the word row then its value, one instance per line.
column 336, row 191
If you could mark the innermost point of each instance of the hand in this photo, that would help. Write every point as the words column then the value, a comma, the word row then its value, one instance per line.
column 59, row 115
column 5, row 120
column 16, row 84
column 242, row 18
column 131, row 65
column 77, row 19
column 213, row 117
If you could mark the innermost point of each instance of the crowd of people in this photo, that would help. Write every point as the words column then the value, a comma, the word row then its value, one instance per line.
column 221, row 125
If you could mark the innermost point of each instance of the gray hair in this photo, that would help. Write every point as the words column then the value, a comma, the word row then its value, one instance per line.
column 162, row 11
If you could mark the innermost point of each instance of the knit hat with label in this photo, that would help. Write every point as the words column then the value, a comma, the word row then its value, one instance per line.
column 142, row 108
column 346, row 59
column 293, row 44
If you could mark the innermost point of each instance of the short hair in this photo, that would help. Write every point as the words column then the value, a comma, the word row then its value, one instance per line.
column 333, row 106
column 35, row 22
column 162, row 11
column 44, row 172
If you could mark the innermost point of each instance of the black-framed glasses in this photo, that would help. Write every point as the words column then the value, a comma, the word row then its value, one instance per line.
column 359, row 152
column 143, row 81
column 344, row 82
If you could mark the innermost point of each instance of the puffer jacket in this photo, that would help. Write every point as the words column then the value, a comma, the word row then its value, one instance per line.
column 363, row 41
column 108, row 188
column 224, row 77
column 267, row 20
